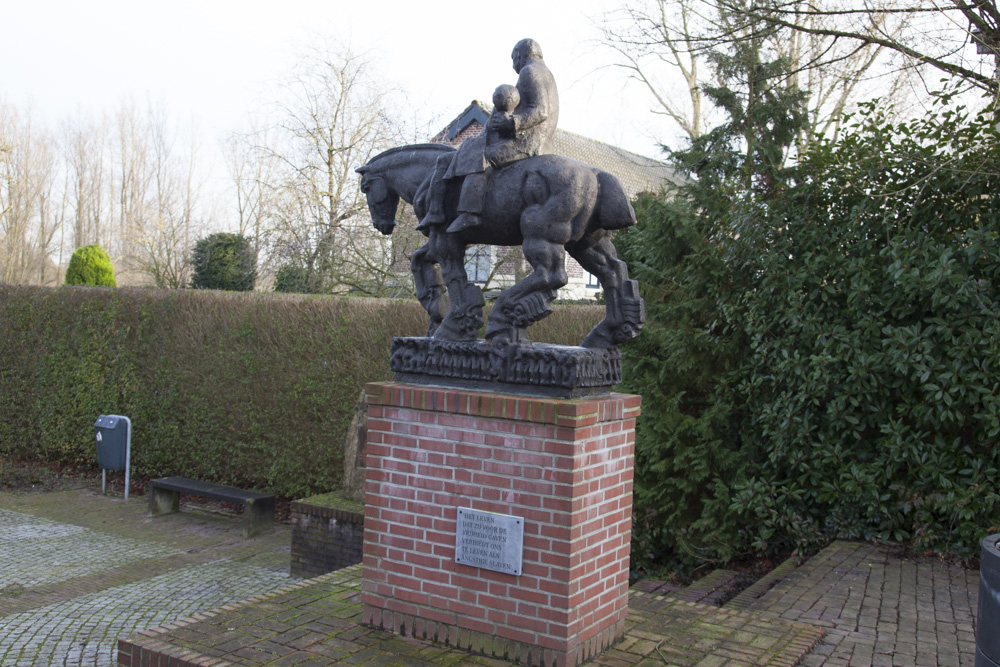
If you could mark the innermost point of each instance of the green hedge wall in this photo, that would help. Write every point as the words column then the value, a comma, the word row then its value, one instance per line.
column 248, row 389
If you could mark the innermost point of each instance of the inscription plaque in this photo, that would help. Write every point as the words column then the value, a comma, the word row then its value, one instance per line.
column 489, row 540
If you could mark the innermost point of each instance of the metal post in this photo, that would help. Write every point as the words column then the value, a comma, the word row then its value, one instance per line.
column 128, row 452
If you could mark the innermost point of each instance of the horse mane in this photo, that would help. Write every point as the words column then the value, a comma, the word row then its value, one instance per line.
column 409, row 147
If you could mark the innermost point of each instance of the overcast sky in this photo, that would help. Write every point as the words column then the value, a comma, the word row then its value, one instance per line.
column 214, row 60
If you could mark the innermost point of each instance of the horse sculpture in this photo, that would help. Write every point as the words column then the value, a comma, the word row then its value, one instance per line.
column 549, row 205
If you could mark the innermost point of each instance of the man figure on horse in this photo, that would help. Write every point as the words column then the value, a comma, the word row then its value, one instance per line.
column 525, row 131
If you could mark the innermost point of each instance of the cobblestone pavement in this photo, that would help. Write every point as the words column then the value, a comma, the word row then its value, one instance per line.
column 38, row 551
column 879, row 609
column 78, row 571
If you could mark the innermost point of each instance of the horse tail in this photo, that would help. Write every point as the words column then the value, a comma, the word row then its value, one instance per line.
column 614, row 211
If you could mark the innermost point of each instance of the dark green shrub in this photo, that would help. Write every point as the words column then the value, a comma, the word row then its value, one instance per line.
column 687, row 439
column 820, row 358
column 296, row 279
column 91, row 265
column 871, row 379
column 224, row 261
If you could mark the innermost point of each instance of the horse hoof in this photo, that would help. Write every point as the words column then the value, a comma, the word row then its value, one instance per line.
column 598, row 339
column 445, row 331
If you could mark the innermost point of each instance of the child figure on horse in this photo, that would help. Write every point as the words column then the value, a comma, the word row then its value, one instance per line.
column 523, row 124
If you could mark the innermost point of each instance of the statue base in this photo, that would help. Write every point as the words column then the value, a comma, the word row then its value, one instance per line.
column 524, row 369
column 499, row 524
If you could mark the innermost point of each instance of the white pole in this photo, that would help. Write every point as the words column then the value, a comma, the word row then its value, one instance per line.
column 128, row 453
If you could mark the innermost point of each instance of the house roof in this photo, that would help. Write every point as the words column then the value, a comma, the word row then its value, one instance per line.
column 637, row 173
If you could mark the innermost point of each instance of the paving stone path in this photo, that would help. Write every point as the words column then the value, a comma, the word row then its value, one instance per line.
column 84, row 630
column 317, row 622
column 68, row 592
column 852, row 604
column 880, row 609
column 37, row 551
column 79, row 572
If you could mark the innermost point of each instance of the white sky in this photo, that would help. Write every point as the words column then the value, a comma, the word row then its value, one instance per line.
column 215, row 60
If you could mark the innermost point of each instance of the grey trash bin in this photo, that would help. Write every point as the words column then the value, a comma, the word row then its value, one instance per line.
column 988, row 623
column 114, row 443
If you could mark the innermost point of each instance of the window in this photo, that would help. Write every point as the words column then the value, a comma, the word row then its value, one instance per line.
column 593, row 282
column 477, row 263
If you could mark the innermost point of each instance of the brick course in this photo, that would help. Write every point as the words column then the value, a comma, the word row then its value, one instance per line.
column 564, row 466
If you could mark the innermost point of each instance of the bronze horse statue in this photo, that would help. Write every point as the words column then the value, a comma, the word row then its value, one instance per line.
column 549, row 205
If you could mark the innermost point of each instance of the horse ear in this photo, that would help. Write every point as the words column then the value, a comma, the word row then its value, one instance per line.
column 362, row 170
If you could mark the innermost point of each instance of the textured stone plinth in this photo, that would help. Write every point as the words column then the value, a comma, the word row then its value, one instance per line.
column 562, row 466
column 525, row 369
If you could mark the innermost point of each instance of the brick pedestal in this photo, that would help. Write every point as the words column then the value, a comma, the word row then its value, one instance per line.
column 563, row 466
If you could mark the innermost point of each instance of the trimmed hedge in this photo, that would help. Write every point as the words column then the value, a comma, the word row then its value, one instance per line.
column 248, row 389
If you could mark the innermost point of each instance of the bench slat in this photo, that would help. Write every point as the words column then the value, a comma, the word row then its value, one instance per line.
column 207, row 489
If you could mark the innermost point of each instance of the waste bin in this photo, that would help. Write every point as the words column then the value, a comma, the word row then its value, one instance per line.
column 114, row 445
column 988, row 621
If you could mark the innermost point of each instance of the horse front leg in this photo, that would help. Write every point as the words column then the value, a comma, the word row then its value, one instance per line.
column 465, row 316
column 431, row 292
column 625, row 312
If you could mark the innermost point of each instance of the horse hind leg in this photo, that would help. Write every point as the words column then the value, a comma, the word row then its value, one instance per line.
column 625, row 312
column 530, row 300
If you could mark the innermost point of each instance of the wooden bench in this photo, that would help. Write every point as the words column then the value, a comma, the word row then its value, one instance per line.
column 258, row 508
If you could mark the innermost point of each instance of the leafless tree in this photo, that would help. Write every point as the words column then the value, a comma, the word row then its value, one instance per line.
column 252, row 167
column 666, row 46
column 155, row 189
column 27, row 215
column 957, row 38
column 161, row 222
column 118, row 181
column 87, row 191
column 295, row 179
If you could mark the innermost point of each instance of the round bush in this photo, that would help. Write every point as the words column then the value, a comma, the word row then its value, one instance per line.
column 225, row 262
column 91, row 265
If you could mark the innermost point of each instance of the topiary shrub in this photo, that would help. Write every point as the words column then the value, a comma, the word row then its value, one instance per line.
column 295, row 279
column 91, row 265
column 224, row 261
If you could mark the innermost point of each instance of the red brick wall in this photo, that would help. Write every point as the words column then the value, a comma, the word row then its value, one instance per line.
column 472, row 130
column 564, row 466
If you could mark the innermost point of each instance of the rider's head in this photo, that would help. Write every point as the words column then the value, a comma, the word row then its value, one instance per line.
column 525, row 50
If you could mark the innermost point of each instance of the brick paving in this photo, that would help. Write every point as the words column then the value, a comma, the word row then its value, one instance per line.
column 318, row 622
column 79, row 571
column 880, row 609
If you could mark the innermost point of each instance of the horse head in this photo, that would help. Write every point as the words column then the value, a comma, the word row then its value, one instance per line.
column 383, row 202
column 397, row 174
